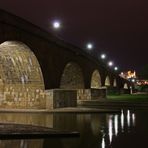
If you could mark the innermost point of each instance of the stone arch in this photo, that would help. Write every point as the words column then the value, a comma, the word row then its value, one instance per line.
column 72, row 77
column 115, row 83
column 125, row 86
column 107, row 81
column 96, row 79
column 19, row 68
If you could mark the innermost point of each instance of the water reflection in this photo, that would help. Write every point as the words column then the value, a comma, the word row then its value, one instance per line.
column 134, row 119
column 128, row 118
column 41, row 119
column 96, row 130
column 110, row 128
column 122, row 120
column 103, row 142
column 21, row 143
column 118, row 124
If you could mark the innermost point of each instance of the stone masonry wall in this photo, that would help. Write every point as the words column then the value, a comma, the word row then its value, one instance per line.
column 91, row 94
column 58, row 98
column 84, row 94
column 23, row 99
column 98, row 94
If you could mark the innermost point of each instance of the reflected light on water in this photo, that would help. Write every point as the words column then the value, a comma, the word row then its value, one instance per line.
column 122, row 120
column 128, row 118
column 110, row 128
column 116, row 124
column 133, row 119
column 103, row 143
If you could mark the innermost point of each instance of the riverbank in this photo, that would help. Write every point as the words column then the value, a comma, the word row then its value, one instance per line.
column 134, row 101
column 137, row 97
column 113, row 104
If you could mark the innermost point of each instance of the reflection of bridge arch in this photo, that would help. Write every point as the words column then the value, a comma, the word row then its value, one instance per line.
column 19, row 68
column 107, row 81
column 96, row 79
column 72, row 77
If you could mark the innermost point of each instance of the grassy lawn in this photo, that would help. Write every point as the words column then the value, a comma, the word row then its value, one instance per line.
column 128, row 97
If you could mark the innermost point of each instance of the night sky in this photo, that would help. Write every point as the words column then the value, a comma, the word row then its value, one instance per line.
column 116, row 27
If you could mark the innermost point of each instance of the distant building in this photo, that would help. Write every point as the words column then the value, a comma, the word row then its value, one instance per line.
column 129, row 75
column 142, row 82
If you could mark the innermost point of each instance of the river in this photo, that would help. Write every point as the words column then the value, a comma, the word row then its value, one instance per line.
column 97, row 130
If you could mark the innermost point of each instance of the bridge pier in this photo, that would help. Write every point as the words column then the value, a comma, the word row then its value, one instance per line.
column 113, row 91
column 117, row 91
column 125, row 91
column 91, row 94
column 58, row 98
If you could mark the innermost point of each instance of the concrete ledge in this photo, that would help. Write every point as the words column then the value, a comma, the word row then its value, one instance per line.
column 22, row 131
column 23, row 110
column 63, row 110
column 84, row 110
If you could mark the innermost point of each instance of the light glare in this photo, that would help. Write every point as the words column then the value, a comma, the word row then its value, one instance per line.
column 116, row 68
column 110, row 63
column 89, row 46
column 56, row 24
column 103, row 56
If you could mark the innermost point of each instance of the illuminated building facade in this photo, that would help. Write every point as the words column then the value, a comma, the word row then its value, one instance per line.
column 129, row 75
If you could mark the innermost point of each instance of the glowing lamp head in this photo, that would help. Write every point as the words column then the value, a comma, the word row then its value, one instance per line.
column 56, row 24
column 110, row 63
column 103, row 56
column 89, row 46
column 116, row 68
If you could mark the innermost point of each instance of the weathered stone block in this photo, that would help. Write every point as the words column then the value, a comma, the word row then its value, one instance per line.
column 57, row 98
column 83, row 94
column 91, row 94
column 97, row 94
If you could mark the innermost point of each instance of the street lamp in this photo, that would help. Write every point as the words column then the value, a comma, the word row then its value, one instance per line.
column 56, row 24
column 115, row 68
column 89, row 46
column 103, row 56
column 110, row 63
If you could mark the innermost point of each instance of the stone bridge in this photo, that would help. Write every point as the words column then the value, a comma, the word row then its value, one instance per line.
column 40, row 71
